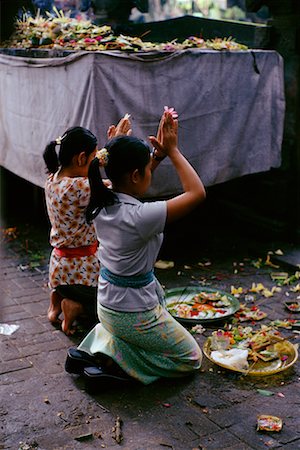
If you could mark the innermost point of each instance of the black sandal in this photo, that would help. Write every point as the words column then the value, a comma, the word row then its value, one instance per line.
column 77, row 361
column 97, row 379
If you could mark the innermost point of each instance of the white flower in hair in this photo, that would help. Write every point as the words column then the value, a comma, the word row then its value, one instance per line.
column 102, row 155
column 60, row 139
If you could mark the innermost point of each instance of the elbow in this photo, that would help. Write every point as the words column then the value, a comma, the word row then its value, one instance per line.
column 201, row 195
column 197, row 197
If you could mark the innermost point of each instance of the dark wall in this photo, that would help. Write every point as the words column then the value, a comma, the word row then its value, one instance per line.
column 9, row 10
column 285, row 39
column 271, row 200
column 20, row 201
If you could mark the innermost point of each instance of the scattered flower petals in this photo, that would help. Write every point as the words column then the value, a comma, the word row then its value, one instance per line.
column 270, row 443
column 267, row 293
column 252, row 313
column 258, row 263
column 268, row 262
column 293, row 306
column 279, row 252
column 260, row 288
column 197, row 329
column 257, row 287
column 236, row 291
column 295, row 288
column 160, row 264
column 281, row 324
column 9, row 234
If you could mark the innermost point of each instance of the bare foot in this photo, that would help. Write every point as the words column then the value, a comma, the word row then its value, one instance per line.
column 54, row 309
column 71, row 311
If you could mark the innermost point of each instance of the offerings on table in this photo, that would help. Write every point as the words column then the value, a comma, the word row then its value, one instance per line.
column 66, row 33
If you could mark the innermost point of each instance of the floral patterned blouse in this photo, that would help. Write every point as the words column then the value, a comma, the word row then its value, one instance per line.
column 67, row 199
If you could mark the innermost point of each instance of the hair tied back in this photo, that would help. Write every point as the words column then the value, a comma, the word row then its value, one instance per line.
column 102, row 155
column 59, row 139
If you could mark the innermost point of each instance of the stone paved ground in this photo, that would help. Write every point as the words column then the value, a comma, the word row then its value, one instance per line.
column 43, row 407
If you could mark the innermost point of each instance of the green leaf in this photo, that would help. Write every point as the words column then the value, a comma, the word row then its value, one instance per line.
column 265, row 393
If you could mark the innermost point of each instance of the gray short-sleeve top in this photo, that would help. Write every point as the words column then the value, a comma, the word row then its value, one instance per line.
column 130, row 234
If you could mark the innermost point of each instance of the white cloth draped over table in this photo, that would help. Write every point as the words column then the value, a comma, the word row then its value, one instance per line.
column 231, row 107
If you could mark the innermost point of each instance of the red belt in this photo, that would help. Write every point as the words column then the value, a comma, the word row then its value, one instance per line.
column 76, row 252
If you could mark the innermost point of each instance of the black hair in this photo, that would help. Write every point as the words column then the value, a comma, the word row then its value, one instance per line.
column 125, row 154
column 74, row 141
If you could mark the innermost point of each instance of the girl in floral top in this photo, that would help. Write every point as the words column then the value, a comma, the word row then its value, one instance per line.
column 74, row 266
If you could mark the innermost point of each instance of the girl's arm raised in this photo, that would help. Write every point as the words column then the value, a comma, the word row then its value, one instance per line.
column 194, row 191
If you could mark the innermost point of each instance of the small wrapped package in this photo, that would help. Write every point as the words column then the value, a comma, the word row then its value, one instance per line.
column 235, row 358
column 269, row 423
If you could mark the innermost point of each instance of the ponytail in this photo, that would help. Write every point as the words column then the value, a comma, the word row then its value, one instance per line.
column 50, row 157
column 100, row 194
column 74, row 141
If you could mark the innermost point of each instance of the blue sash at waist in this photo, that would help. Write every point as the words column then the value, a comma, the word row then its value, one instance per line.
column 135, row 281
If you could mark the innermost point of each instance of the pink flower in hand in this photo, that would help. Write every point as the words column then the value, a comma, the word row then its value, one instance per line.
column 171, row 111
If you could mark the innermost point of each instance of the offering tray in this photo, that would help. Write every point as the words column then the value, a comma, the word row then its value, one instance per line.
column 287, row 358
column 185, row 303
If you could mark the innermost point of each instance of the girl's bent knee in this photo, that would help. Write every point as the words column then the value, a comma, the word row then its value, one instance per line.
column 197, row 360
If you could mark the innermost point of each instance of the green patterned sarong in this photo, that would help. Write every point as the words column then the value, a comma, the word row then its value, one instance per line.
column 147, row 345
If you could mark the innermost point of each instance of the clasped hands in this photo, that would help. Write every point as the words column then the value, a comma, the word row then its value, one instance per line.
column 123, row 128
column 167, row 134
